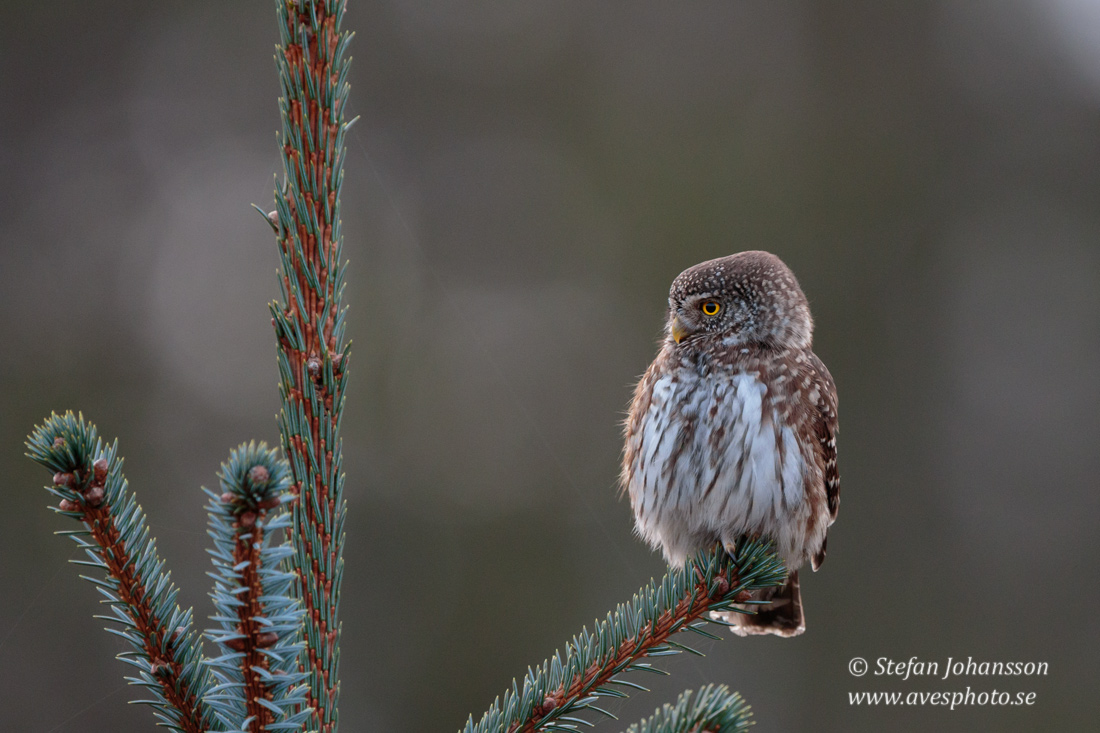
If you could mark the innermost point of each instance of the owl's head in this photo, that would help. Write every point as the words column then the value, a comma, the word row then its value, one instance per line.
column 746, row 298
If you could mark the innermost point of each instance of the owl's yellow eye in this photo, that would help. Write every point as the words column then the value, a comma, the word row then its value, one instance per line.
column 711, row 307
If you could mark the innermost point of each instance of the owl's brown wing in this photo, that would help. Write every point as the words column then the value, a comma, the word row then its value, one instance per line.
column 825, row 430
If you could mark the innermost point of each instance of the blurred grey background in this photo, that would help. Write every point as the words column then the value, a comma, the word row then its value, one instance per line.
column 525, row 182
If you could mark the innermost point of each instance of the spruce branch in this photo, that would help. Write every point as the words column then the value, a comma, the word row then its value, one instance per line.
column 714, row 709
column 90, row 487
column 594, row 664
column 309, row 322
column 259, row 685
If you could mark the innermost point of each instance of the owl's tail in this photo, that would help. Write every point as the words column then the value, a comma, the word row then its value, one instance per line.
column 782, row 615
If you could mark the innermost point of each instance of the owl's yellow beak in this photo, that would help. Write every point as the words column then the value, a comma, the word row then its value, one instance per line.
column 679, row 330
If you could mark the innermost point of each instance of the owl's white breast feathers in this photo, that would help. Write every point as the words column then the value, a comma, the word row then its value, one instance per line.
column 711, row 463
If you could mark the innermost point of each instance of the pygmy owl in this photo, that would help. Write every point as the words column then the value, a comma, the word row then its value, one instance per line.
column 732, row 430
